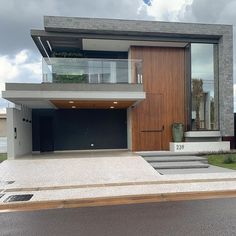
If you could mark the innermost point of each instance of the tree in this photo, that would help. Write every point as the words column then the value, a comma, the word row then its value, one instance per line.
column 197, row 94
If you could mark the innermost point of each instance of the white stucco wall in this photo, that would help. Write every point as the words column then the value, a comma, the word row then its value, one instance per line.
column 19, row 142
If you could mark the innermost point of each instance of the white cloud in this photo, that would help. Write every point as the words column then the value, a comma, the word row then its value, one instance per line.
column 35, row 68
column 170, row 10
column 9, row 70
column 21, row 57
column 20, row 68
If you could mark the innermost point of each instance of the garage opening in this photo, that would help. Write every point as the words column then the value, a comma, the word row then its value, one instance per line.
column 79, row 129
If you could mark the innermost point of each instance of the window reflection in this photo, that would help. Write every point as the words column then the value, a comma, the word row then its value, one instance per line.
column 204, row 88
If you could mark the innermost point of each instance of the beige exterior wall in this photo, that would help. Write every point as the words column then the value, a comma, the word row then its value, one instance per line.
column 3, row 126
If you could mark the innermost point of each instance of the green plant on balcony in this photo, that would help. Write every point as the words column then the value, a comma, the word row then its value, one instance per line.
column 67, row 54
column 70, row 78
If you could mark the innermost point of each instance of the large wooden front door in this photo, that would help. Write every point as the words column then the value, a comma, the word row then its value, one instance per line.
column 164, row 84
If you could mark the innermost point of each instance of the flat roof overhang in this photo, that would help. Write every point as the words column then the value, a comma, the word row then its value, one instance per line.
column 84, row 95
column 119, row 26
column 71, row 33
column 76, row 34
column 49, row 42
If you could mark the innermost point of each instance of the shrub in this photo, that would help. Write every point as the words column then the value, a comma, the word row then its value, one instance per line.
column 228, row 159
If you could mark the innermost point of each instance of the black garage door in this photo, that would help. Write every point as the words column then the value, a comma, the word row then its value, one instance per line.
column 82, row 129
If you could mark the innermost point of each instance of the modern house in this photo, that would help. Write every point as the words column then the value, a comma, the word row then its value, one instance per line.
column 121, row 84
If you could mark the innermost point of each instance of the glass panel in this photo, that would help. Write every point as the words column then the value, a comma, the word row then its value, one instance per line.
column 88, row 70
column 204, row 87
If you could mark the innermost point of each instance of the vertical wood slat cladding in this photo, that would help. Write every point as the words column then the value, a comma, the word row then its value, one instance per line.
column 149, row 122
column 164, row 84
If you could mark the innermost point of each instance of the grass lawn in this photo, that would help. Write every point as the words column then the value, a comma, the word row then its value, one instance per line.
column 3, row 157
column 219, row 160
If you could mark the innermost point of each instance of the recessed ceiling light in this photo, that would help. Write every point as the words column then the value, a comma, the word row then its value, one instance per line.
column 71, row 101
column 73, row 107
column 112, row 107
column 115, row 102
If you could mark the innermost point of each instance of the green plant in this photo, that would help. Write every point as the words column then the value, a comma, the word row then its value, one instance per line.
column 3, row 157
column 225, row 160
column 70, row 78
column 228, row 159
column 67, row 54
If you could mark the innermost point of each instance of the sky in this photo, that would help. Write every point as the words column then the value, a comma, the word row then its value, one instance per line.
column 20, row 60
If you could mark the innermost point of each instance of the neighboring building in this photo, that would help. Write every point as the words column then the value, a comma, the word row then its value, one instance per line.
column 3, row 133
column 121, row 84
column 3, row 125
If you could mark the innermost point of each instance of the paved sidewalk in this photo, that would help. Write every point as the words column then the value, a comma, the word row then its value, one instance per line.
column 209, row 170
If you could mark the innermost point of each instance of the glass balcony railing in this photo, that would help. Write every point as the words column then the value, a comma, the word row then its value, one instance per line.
column 89, row 70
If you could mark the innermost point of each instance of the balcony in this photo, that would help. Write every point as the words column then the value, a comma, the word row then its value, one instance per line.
column 89, row 83
column 92, row 71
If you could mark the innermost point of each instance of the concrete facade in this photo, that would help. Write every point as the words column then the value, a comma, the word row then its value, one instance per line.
column 19, row 132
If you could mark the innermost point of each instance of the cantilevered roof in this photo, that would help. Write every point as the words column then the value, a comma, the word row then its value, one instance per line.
column 118, row 26
column 68, row 33
column 56, row 95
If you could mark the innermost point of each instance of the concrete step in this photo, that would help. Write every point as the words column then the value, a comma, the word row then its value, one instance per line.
column 178, row 165
column 165, row 153
column 175, row 159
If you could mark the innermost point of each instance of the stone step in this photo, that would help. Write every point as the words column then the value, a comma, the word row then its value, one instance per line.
column 164, row 153
column 178, row 165
column 175, row 159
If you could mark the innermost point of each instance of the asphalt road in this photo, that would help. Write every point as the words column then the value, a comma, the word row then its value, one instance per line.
column 205, row 217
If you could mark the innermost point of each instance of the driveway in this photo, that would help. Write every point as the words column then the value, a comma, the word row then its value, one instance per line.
column 67, row 182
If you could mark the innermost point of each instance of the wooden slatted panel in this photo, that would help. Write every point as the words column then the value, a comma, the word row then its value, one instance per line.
column 79, row 104
column 151, row 118
column 163, row 73
column 148, row 127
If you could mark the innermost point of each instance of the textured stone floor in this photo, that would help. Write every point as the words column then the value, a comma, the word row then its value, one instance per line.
column 66, row 181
